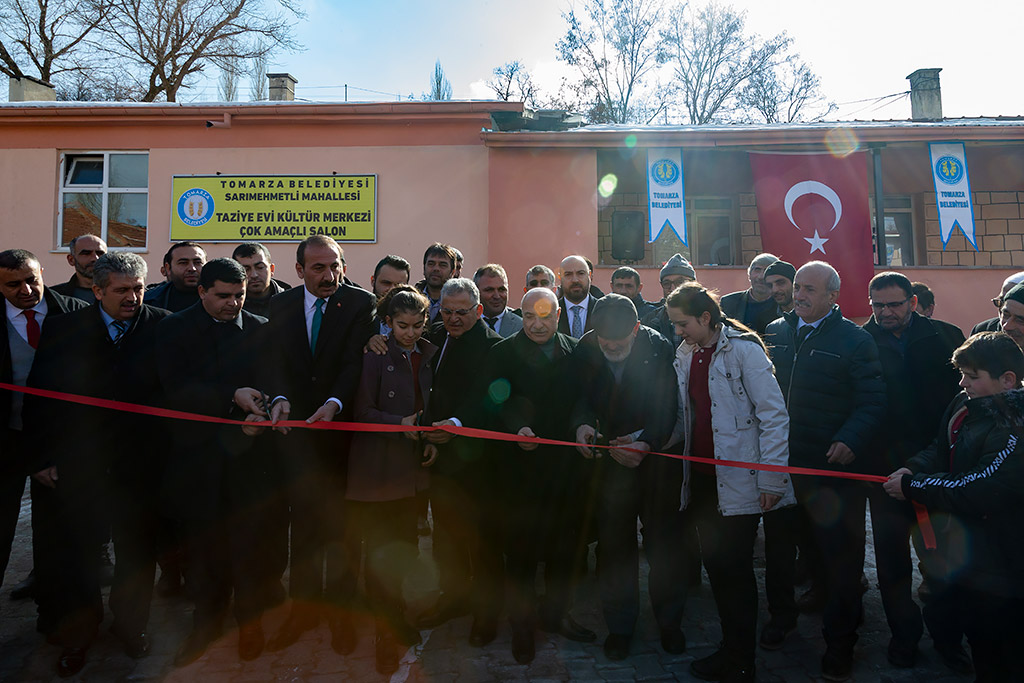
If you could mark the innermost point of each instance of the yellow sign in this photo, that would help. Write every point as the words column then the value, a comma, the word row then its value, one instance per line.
column 286, row 208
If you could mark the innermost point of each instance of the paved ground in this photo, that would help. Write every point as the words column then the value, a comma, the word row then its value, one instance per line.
column 445, row 654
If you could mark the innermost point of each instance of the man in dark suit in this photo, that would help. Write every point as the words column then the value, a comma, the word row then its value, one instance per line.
column 182, row 264
column 217, row 485
column 28, row 305
column 321, row 329
column 626, row 396
column 577, row 303
column 259, row 270
column 98, row 458
column 541, row 485
column 463, row 486
column 82, row 254
column 492, row 282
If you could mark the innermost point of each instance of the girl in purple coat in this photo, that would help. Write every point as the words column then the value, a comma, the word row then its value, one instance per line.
column 385, row 471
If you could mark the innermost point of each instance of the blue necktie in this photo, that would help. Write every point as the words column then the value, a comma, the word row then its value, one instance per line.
column 318, row 317
column 577, row 324
column 120, row 327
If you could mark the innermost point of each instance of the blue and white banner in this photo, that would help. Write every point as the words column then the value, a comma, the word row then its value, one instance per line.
column 952, row 190
column 666, row 201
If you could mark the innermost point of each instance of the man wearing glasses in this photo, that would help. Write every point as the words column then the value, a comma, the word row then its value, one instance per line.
column 920, row 382
column 992, row 324
column 463, row 486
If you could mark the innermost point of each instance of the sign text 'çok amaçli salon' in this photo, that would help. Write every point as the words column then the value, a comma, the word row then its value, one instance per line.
column 277, row 208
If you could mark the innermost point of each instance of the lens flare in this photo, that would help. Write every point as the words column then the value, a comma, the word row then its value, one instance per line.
column 841, row 141
column 499, row 390
column 630, row 141
column 607, row 185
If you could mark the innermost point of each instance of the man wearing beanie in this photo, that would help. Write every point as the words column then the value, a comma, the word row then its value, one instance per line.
column 674, row 273
column 753, row 307
column 779, row 278
column 1011, row 315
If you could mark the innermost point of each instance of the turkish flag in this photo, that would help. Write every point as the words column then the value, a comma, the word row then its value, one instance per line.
column 814, row 207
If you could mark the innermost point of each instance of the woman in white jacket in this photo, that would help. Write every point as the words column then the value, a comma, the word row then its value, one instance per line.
column 730, row 408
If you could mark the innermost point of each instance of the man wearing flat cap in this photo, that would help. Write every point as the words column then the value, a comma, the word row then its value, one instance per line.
column 754, row 307
column 626, row 398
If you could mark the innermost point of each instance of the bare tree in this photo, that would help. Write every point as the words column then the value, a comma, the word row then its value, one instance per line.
column 170, row 41
column 513, row 82
column 258, row 77
column 440, row 86
column 98, row 85
column 713, row 57
column 230, row 71
column 48, row 34
column 787, row 93
column 614, row 46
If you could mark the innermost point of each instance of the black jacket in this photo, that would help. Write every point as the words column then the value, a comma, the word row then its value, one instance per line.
column 306, row 378
column 657, row 320
column 459, row 390
column 56, row 305
column 919, row 384
column 833, row 388
column 165, row 296
column 219, row 356
column 76, row 355
column 646, row 398
column 261, row 306
column 71, row 289
column 990, row 325
column 976, row 493
column 735, row 306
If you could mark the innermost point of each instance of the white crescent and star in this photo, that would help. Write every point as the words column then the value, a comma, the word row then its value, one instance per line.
column 825, row 192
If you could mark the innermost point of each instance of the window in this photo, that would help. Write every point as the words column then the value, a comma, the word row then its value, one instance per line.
column 899, row 231
column 106, row 194
column 709, row 224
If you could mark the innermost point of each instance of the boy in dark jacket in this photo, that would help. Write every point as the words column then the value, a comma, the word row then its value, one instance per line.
column 971, row 479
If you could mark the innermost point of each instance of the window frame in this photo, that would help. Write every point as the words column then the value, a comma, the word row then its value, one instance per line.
column 104, row 190
column 693, row 236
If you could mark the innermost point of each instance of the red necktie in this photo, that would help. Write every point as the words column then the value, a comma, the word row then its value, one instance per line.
column 32, row 328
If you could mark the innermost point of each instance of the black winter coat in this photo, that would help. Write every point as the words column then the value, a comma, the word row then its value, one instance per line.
column 919, row 386
column 833, row 388
column 976, row 494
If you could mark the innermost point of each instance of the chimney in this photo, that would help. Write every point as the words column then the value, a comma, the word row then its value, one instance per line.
column 30, row 90
column 925, row 95
column 282, row 87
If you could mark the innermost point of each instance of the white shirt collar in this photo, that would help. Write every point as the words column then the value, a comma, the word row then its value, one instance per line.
column 585, row 304
column 13, row 311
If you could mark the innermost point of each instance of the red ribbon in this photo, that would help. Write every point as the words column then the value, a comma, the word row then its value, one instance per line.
column 922, row 514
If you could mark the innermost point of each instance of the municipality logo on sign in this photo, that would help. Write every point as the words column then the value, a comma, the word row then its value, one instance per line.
column 949, row 170
column 665, row 172
column 195, row 207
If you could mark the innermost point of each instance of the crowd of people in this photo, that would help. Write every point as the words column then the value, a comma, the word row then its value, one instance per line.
column 685, row 415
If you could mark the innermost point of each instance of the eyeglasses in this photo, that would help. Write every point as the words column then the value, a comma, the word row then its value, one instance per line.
column 997, row 302
column 458, row 311
column 892, row 305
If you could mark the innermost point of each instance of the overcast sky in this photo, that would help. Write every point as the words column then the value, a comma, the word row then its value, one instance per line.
column 861, row 50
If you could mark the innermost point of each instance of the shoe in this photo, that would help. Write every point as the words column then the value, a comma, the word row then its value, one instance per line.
column 136, row 645
column 483, row 631
column 169, row 584
column 712, row 667
column 569, row 628
column 195, row 645
column 774, row 633
column 955, row 658
column 71, row 661
column 291, row 630
column 25, row 589
column 343, row 634
column 445, row 610
column 673, row 641
column 387, row 653
column 616, row 646
column 250, row 641
column 813, row 599
column 837, row 664
column 902, row 655
column 524, row 646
